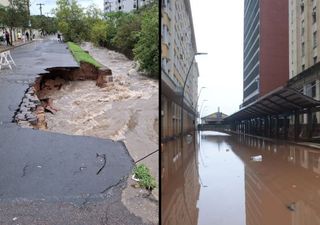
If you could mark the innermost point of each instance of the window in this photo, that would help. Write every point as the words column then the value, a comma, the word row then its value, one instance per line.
column 314, row 15
column 302, row 49
column 302, row 7
column 315, row 59
column 314, row 39
column 303, row 67
column 302, row 27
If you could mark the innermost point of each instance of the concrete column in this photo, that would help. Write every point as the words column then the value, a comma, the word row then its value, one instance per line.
column 277, row 127
column 296, row 125
column 309, row 124
column 265, row 127
column 285, row 127
column 269, row 126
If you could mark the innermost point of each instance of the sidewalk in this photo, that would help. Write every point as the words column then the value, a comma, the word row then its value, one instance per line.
column 5, row 47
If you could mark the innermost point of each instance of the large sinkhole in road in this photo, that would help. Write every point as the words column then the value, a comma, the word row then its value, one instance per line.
column 66, row 101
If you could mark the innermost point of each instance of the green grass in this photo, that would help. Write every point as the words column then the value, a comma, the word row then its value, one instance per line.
column 81, row 56
column 142, row 173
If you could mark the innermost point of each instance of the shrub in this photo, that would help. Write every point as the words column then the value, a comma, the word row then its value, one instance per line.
column 142, row 173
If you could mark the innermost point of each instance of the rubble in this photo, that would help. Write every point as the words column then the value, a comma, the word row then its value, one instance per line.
column 34, row 105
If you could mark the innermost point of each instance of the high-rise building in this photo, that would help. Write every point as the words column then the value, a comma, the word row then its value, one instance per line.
column 266, row 51
column 178, row 49
column 123, row 5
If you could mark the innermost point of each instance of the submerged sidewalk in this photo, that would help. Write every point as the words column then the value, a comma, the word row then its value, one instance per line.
column 50, row 178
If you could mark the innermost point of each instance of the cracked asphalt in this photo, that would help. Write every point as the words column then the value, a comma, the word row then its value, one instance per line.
column 51, row 178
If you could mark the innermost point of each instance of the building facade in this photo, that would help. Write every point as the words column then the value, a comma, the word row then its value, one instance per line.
column 123, row 5
column 266, row 50
column 4, row 2
column 304, row 37
column 178, row 49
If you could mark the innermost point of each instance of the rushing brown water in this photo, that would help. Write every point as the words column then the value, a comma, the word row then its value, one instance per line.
column 217, row 182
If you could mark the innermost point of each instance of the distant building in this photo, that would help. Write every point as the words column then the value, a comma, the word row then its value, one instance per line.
column 178, row 48
column 123, row 5
column 4, row 2
column 214, row 118
column 266, row 50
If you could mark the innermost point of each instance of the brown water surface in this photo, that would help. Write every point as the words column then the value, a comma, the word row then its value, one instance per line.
column 214, row 181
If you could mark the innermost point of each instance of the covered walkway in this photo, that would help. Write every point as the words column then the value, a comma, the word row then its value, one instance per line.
column 283, row 113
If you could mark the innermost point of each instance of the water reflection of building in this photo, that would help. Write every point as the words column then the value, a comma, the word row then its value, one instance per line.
column 180, row 185
column 285, row 187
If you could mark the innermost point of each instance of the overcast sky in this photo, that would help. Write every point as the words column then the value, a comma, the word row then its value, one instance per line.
column 51, row 4
column 219, row 32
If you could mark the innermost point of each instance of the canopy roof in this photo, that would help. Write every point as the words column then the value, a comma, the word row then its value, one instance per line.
column 279, row 101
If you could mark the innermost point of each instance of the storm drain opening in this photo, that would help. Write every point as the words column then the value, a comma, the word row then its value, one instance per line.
column 37, row 101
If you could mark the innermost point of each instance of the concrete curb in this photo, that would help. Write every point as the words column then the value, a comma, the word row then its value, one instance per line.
column 15, row 46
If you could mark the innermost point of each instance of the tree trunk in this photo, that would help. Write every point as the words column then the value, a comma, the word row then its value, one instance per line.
column 11, row 36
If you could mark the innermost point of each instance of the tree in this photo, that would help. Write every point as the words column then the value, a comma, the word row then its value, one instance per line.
column 146, row 50
column 127, row 31
column 71, row 20
column 99, row 32
column 46, row 25
column 16, row 15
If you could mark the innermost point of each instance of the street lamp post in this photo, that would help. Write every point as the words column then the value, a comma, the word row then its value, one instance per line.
column 183, row 89
column 205, row 100
column 198, row 102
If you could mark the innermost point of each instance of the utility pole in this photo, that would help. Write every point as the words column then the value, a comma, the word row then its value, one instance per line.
column 40, row 4
column 137, row 4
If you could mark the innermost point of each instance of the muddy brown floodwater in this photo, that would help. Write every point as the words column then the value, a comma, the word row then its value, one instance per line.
column 126, row 110
column 216, row 181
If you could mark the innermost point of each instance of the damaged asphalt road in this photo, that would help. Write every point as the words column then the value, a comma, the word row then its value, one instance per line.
column 50, row 178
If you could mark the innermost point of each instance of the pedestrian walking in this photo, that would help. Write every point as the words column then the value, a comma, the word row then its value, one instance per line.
column 27, row 35
column 8, row 38
column 59, row 37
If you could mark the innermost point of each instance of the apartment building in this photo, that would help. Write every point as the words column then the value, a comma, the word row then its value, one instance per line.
column 178, row 49
column 266, row 51
column 304, row 51
column 4, row 2
column 123, row 5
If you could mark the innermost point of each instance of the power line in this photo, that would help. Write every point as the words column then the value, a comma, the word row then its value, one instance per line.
column 40, row 4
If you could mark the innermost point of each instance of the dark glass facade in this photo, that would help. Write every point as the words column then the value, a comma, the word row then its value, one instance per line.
column 251, row 50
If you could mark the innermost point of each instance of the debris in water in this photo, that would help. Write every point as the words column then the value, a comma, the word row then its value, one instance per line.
column 14, row 218
column 189, row 138
column 257, row 158
column 294, row 186
column 292, row 206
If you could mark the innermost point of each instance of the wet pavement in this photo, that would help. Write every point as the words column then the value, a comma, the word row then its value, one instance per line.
column 50, row 178
column 240, row 180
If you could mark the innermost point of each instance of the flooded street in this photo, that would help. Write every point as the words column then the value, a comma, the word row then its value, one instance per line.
column 238, row 180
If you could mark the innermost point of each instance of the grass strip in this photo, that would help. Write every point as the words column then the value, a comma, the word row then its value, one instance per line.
column 81, row 56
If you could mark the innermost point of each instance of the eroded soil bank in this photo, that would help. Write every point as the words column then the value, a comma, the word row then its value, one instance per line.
column 125, row 109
